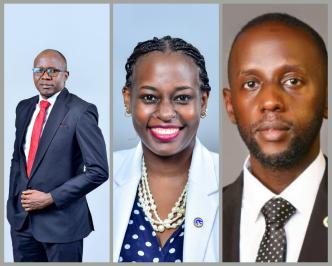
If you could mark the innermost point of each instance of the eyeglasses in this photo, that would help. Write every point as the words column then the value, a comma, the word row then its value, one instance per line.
column 51, row 72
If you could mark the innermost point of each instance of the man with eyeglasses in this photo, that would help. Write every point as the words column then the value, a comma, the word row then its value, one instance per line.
column 59, row 156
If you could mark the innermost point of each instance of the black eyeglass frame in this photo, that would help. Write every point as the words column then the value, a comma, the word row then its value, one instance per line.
column 40, row 71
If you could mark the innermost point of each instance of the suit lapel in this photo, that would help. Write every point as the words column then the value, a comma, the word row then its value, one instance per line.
column 202, row 202
column 25, row 123
column 126, row 183
column 56, row 116
column 314, row 248
column 232, row 197
column 28, row 111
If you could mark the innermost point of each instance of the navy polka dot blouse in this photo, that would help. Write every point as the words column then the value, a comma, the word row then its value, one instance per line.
column 141, row 244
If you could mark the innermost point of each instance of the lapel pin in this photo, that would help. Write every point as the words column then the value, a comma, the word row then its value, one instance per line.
column 325, row 222
column 198, row 222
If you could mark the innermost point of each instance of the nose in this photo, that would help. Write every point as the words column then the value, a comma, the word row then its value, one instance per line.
column 165, row 111
column 45, row 75
column 271, row 98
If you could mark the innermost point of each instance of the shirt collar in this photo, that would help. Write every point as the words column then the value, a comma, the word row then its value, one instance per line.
column 301, row 191
column 51, row 99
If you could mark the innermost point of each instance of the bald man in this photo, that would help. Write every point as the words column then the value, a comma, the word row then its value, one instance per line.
column 59, row 156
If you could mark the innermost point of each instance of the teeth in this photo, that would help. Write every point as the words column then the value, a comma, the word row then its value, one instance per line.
column 165, row 131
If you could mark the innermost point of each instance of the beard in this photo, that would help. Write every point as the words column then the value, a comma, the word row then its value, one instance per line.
column 299, row 146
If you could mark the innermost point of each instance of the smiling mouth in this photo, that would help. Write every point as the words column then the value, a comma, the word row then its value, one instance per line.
column 165, row 134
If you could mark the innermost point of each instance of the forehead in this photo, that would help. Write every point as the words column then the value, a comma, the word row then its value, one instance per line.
column 48, row 59
column 275, row 41
column 166, row 67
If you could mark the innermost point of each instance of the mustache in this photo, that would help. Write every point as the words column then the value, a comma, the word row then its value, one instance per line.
column 271, row 121
column 46, row 84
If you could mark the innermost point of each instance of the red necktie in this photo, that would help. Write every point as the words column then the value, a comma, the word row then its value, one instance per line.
column 36, row 132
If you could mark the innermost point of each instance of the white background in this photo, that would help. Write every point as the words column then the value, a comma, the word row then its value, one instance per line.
column 81, row 33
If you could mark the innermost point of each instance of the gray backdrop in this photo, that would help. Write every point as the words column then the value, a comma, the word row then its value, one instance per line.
column 234, row 17
column 195, row 23
column 71, row 29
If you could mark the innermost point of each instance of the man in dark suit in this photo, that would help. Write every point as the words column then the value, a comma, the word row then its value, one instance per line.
column 59, row 156
column 276, row 211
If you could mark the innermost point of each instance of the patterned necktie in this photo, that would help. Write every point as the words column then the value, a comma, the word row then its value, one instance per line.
column 273, row 247
column 36, row 132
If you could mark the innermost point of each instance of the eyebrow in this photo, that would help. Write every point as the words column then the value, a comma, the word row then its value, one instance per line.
column 285, row 68
column 290, row 68
column 148, row 88
column 247, row 72
column 180, row 88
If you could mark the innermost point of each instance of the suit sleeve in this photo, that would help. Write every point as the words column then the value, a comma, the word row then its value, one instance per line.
column 93, row 149
column 15, row 162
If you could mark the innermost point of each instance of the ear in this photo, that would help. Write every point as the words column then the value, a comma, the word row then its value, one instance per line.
column 326, row 111
column 66, row 75
column 228, row 104
column 204, row 99
column 126, row 97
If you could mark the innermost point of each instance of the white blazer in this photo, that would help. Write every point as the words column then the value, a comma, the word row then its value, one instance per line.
column 201, row 244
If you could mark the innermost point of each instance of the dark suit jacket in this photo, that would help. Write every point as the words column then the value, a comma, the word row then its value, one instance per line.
column 314, row 248
column 70, row 162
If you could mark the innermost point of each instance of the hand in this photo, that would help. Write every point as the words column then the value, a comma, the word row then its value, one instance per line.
column 35, row 200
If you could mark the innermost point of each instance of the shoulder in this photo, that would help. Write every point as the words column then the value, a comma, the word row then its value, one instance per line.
column 27, row 102
column 121, row 155
column 215, row 159
column 120, row 158
column 76, row 102
column 204, row 163
column 235, row 187
column 207, row 154
column 78, row 108
column 127, row 165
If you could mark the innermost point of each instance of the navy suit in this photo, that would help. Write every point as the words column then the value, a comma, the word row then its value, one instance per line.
column 70, row 162
column 314, row 248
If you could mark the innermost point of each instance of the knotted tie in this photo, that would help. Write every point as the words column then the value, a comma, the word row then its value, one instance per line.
column 36, row 132
column 273, row 247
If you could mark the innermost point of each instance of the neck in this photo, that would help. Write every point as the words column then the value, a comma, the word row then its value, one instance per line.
column 277, row 179
column 168, row 167
column 45, row 97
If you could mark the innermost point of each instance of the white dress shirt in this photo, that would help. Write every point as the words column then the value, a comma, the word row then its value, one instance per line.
column 51, row 100
column 301, row 193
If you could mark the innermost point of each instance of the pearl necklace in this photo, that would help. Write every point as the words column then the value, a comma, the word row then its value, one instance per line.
column 174, row 218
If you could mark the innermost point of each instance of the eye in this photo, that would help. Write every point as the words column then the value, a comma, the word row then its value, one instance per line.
column 293, row 82
column 149, row 99
column 182, row 99
column 52, row 70
column 251, row 85
column 38, row 70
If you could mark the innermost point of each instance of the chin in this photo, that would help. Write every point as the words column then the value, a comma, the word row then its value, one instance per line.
column 273, row 151
column 45, row 94
column 279, row 159
column 164, row 151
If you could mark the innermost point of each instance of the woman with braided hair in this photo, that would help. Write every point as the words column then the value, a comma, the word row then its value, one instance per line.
column 166, row 190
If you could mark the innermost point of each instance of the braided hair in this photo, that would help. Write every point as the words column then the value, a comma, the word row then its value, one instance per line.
column 164, row 44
